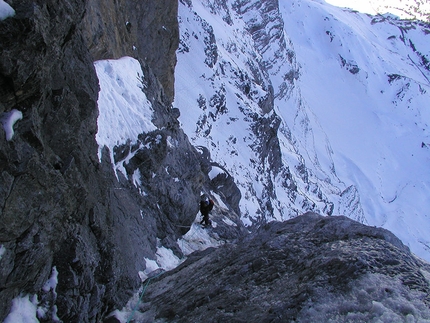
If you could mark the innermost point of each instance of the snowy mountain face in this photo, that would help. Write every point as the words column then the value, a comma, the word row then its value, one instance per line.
column 405, row 9
column 228, row 102
column 311, row 107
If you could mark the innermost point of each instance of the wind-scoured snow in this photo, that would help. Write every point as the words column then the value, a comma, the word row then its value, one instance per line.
column 23, row 310
column 28, row 309
column 197, row 238
column 166, row 260
column 52, row 282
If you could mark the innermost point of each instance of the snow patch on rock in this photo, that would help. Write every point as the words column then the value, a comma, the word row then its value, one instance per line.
column 124, row 110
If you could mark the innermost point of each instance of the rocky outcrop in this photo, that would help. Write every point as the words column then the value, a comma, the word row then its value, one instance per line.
column 308, row 269
column 410, row 9
column 264, row 22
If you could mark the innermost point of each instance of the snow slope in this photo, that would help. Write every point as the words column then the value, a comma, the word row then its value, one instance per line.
column 124, row 110
column 6, row 10
column 352, row 93
column 405, row 9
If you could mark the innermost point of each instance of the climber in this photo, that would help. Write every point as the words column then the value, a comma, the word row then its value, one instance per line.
column 206, row 206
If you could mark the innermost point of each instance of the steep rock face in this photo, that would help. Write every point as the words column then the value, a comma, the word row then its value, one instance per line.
column 50, row 164
column 146, row 30
column 266, row 26
column 307, row 269
column 231, row 108
column 62, row 210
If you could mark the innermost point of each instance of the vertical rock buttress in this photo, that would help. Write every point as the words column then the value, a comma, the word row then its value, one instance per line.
column 61, row 210
column 147, row 30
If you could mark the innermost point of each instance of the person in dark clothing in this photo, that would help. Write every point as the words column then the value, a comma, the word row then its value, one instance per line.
column 206, row 205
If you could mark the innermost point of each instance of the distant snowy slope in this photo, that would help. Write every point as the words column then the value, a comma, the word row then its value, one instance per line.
column 225, row 95
column 366, row 79
column 346, row 96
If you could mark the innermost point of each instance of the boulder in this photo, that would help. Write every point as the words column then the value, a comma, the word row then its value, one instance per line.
column 311, row 268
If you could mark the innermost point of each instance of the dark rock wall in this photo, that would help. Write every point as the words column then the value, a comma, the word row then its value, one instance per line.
column 291, row 272
column 59, row 206
column 49, row 168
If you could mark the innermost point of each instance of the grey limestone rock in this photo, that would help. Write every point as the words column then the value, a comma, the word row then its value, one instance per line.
column 310, row 268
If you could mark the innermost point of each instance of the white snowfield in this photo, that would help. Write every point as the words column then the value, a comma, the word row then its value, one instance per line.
column 124, row 110
column 357, row 115
column 356, row 133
